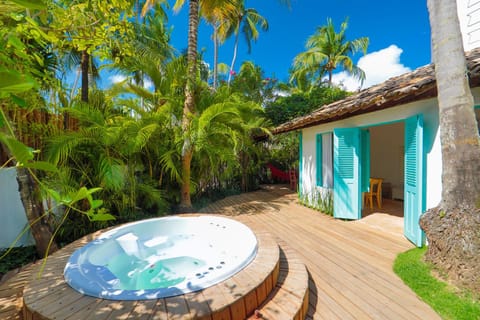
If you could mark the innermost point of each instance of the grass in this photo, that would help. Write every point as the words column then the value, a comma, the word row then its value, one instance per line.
column 445, row 299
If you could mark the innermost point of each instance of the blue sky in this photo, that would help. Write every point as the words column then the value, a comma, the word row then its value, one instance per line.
column 399, row 34
column 400, row 26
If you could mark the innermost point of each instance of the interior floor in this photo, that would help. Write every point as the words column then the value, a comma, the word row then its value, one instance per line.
column 387, row 219
column 389, row 206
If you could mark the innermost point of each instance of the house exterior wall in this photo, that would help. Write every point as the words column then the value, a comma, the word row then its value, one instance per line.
column 431, row 142
column 432, row 148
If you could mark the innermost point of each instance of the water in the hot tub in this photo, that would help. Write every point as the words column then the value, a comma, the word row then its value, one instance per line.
column 136, row 274
column 149, row 269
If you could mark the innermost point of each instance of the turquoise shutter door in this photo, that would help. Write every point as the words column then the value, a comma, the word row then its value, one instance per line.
column 346, row 174
column 365, row 160
column 413, row 198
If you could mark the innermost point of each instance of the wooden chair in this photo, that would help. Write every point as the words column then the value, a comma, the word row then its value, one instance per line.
column 374, row 191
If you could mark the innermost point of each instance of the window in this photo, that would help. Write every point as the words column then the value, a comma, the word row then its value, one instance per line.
column 324, row 153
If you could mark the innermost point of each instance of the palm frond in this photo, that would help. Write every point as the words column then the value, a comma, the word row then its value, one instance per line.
column 111, row 172
column 170, row 162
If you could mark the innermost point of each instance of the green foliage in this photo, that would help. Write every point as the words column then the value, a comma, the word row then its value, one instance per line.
column 112, row 150
column 327, row 50
column 92, row 26
column 298, row 104
column 251, row 83
column 16, row 258
column 126, row 145
column 320, row 199
column 283, row 150
column 448, row 302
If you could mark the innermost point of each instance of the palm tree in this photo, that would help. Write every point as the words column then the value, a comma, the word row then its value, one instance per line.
column 452, row 228
column 246, row 20
column 190, row 86
column 112, row 150
column 326, row 51
column 218, row 17
column 151, row 53
column 220, row 133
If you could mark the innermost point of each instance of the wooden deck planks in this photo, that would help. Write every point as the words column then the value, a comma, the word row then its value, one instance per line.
column 349, row 264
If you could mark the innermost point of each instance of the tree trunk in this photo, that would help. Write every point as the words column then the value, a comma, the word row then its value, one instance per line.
column 32, row 203
column 235, row 49
column 33, row 206
column 215, row 56
column 85, row 71
column 452, row 228
column 189, row 105
column 186, row 203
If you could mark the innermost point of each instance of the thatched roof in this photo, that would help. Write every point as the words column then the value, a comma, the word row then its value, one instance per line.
column 417, row 85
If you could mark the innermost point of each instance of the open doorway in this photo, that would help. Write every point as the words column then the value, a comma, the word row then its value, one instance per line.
column 387, row 149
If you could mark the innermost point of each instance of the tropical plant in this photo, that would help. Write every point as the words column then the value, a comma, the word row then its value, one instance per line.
column 19, row 34
column 319, row 199
column 297, row 104
column 221, row 134
column 111, row 150
column 246, row 21
column 189, row 108
column 452, row 227
column 326, row 51
column 252, row 84
column 86, row 28
column 218, row 17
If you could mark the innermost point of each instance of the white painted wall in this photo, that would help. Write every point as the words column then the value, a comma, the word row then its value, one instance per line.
column 12, row 213
column 469, row 17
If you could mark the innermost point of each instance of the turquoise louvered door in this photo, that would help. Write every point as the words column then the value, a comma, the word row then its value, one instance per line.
column 413, row 198
column 365, row 161
column 346, row 173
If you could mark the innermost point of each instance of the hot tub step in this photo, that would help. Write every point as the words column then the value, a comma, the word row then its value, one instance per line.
column 289, row 298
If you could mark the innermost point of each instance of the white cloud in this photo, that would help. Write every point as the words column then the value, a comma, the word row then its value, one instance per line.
column 378, row 67
column 117, row 78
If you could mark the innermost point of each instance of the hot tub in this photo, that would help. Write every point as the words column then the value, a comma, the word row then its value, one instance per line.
column 161, row 257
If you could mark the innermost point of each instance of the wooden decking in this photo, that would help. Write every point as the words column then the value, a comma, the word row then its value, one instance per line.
column 235, row 298
column 350, row 263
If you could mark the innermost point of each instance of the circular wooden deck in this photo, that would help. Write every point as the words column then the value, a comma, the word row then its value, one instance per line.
column 50, row 297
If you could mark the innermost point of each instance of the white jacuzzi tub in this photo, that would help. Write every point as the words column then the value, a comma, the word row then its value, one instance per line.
column 161, row 257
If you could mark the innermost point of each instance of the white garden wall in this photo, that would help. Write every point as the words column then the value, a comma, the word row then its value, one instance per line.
column 12, row 213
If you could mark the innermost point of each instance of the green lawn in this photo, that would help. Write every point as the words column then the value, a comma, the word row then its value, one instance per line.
column 443, row 298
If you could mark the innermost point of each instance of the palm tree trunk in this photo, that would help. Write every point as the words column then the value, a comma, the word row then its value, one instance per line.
column 39, row 227
column 215, row 56
column 189, row 105
column 235, row 49
column 85, row 71
column 452, row 228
